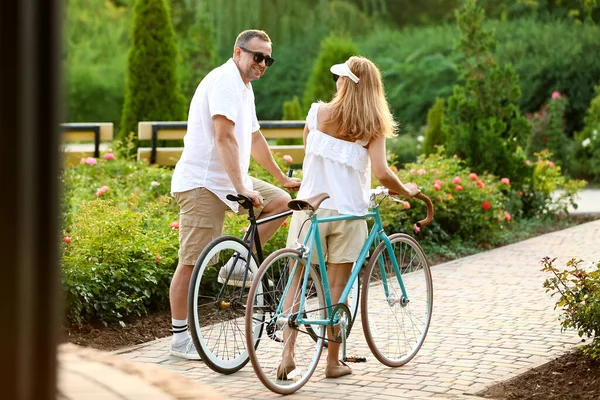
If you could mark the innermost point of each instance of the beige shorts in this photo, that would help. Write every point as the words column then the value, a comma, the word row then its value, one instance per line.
column 202, row 213
column 341, row 241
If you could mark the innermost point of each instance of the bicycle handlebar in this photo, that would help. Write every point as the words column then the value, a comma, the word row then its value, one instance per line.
column 429, row 204
column 383, row 191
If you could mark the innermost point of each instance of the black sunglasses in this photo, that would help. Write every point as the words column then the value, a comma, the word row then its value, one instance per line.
column 259, row 57
column 335, row 77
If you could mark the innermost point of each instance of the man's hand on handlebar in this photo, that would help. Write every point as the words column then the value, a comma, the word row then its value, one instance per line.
column 253, row 195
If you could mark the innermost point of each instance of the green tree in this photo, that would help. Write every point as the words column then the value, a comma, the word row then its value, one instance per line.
column 333, row 50
column 152, row 92
column 434, row 135
column 483, row 124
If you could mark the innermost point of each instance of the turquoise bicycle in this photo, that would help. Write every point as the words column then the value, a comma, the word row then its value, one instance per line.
column 396, row 300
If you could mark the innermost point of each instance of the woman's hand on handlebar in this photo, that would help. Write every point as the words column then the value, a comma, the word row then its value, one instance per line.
column 411, row 190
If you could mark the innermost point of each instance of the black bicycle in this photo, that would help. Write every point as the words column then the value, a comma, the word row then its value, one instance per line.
column 218, row 294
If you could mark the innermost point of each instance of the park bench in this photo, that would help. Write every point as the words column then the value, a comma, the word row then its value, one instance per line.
column 85, row 139
column 160, row 131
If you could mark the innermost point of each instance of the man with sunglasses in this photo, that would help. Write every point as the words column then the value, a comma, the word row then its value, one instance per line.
column 222, row 134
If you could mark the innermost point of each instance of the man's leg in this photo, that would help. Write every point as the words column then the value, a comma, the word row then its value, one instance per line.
column 276, row 201
column 200, row 220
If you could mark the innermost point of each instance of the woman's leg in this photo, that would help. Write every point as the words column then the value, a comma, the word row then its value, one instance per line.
column 338, row 275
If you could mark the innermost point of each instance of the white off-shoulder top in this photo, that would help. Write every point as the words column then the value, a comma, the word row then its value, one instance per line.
column 337, row 167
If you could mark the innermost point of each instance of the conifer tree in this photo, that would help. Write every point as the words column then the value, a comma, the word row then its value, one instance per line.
column 434, row 135
column 482, row 122
column 152, row 92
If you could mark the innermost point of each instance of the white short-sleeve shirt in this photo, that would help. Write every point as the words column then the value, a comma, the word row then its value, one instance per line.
column 221, row 92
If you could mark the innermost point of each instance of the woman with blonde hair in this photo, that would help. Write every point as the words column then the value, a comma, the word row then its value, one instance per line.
column 344, row 142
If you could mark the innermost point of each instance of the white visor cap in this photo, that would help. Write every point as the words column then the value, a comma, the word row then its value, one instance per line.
column 344, row 70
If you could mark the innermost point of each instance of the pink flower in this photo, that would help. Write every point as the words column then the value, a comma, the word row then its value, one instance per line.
column 422, row 171
column 91, row 161
column 555, row 95
column 507, row 216
column 481, row 184
column 486, row 205
column 437, row 186
column 505, row 181
column 174, row 225
column 417, row 228
column 455, row 156
column 288, row 159
column 438, row 181
column 412, row 171
column 83, row 160
column 473, row 176
column 244, row 228
column 456, row 180
column 158, row 258
column 458, row 187
column 551, row 163
column 101, row 191
column 154, row 184
column 406, row 205
column 109, row 156
column 448, row 196
column 67, row 239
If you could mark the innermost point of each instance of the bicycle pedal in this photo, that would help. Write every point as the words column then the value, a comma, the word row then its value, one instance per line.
column 355, row 359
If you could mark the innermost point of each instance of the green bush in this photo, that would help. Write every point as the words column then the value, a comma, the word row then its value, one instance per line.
column 579, row 301
column 482, row 123
column 469, row 205
column 585, row 159
column 405, row 148
column 549, row 130
column 320, row 86
column 547, row 191
column 152, row 92
column 434, row 135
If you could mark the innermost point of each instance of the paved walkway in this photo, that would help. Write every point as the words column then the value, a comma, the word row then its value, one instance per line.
column 492, row 320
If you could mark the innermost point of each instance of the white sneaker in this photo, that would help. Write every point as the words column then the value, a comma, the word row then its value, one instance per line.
column 237, row 276
column 185, row 349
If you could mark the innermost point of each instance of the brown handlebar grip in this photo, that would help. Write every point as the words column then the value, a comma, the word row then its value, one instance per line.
column 429, row 204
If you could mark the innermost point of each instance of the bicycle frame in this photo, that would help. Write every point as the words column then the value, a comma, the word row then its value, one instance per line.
column 312, row 242
column 252, row 236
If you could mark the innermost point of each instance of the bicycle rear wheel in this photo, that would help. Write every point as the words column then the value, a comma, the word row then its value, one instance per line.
column 216, row 310
column 281, row 331
column 395, row 326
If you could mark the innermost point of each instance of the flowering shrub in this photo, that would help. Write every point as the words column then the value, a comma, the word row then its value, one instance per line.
column 119, row 240
column 468, row 204
column 579, row 290
column 547, row 191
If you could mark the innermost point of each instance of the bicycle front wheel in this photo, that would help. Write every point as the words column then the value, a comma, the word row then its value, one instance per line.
column 217, row 305
column 284, row 334
column 395, row 324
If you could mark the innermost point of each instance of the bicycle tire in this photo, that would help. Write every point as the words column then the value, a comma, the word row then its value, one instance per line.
column 268, row 357
column 411, row 316
column 216, row 310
